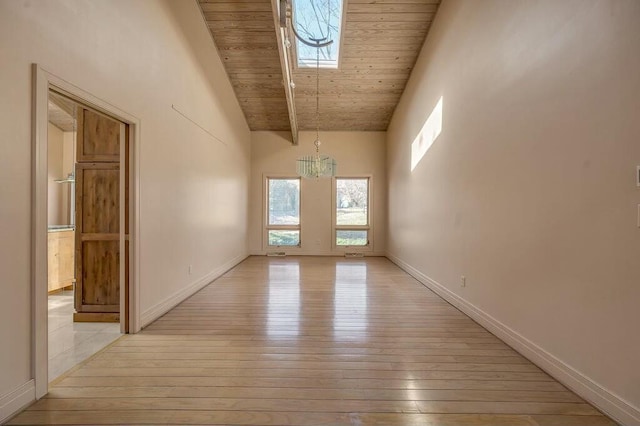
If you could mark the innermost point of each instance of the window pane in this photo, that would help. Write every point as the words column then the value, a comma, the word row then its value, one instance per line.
column 284, row 238
column 352, row 201
column 284, row 201
column 351, row 238
column 318, row 19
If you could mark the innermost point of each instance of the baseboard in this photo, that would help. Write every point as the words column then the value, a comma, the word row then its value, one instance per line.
column 96, row 317
column 315, row 253
column 605, row 400
column 14, row 401
column 171, row 302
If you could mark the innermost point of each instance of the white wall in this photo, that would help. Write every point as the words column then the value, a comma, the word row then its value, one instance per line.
column 55, row 152
column 68, row 166
column 529, row 191
column 60, row 153
column 356, row 153
column 143, row 57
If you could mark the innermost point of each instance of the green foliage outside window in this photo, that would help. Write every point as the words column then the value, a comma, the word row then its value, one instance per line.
column 284, row 238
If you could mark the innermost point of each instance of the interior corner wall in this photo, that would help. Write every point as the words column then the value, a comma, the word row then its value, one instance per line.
column 530, row 189
column 356, row 154
column 155, row 60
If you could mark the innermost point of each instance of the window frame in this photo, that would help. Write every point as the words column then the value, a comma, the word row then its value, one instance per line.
column 266, row 227
column 335, row 227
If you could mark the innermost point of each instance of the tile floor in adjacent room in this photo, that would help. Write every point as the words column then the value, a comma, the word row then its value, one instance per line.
column 71, row 343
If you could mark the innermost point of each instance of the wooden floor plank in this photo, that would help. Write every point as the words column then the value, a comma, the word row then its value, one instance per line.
column 307, row 341
column 192, row 417
column 303, row 382
column 313, row 393
column 317, row 372
column 312, row 405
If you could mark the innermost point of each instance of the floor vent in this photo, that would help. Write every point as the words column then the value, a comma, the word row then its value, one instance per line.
column 276, row 254
column 354, row 255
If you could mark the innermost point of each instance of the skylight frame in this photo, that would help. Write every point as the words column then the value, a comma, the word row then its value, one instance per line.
column 335, row 47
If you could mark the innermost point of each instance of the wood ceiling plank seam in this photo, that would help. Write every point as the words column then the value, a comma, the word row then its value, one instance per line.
column 362, row 41
column 381, row 49
column 249, row 7
column 352, row 85
column 398, row 7
column 377, row 2
column 385, row 25
column 236, row 1
column 385, row 54
column 237, row 16
column 392, row 17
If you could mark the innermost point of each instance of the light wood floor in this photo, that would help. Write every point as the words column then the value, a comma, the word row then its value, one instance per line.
column 311, row 341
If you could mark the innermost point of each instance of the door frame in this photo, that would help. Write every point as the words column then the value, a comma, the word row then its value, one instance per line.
column 42, row 81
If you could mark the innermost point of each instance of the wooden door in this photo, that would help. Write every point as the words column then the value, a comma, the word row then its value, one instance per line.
column 97, row 295
column 98, row 138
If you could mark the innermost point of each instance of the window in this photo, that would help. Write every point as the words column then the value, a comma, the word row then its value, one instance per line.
column 283, row 212
column 318, row 19
column 351, row 223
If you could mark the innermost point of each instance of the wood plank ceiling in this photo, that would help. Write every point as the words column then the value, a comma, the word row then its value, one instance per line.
column 381, row 42
column 61, row 112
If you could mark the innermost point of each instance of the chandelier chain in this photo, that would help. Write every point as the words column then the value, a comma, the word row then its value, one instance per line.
column 316, row 166
column 317, row 143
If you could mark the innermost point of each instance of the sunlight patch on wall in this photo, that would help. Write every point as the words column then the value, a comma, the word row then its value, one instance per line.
column 427, row 135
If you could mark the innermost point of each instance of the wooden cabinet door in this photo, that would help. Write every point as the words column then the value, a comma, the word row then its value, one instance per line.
column 66, row 258
column 60, row 245
column 52, row 261
column 98, row 238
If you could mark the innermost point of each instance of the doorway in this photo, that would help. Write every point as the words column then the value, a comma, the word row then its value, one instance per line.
column 94, row 197
column 73, row 334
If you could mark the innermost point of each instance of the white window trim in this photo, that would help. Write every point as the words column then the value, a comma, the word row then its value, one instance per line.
column 369, row 228
column 265, row 215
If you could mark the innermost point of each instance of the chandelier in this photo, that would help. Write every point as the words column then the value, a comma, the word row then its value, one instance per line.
column 316, row 166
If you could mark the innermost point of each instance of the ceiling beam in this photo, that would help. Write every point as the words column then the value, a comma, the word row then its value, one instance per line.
column 285, row 62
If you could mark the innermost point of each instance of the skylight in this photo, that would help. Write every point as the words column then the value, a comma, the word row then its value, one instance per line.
column 317, row 19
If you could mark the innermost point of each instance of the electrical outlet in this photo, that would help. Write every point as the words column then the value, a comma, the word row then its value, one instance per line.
column 463, row 281
column 190, row 269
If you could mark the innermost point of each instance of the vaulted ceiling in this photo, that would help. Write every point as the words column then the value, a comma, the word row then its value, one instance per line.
column 381, row 42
